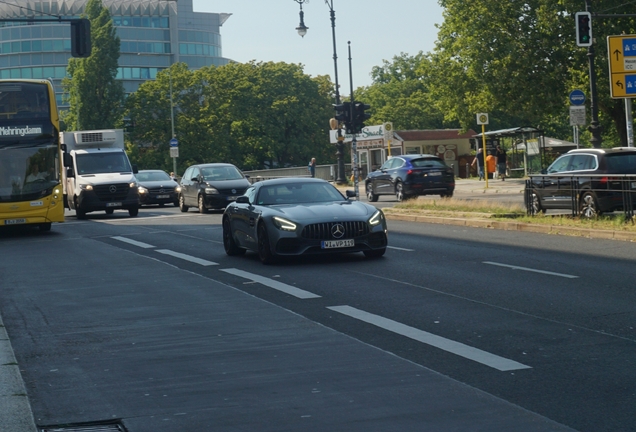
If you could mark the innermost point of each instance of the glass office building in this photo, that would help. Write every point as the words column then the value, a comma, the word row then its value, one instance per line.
column 154, row 34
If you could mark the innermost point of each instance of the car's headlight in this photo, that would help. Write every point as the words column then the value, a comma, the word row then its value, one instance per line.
column 284, row 224
column 211, row 191
column 87, row 187
column 177, row 189
column 143, row 190
column 133, row 185
column 376, row 218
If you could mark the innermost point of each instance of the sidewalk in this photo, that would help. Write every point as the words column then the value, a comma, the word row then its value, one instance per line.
column 15, row 409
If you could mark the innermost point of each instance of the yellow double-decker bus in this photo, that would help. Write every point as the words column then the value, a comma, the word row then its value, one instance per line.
column 30, row 166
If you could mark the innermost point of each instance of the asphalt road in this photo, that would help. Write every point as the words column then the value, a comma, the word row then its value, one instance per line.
column 146, row 321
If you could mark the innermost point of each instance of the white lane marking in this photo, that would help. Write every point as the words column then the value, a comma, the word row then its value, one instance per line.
column 187, row 257
column 531, row 270
column 402, row 249
column 460, row 349
column 134, row 242
column 288, row 289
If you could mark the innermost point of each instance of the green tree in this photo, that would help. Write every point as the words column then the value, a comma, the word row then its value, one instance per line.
column 254, row 115
column 519, row 57
column 91, row 88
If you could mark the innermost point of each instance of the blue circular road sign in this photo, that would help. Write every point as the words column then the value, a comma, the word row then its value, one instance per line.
column 174, row 142
column 577, row 97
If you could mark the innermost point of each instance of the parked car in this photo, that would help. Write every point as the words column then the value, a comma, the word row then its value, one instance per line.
column 156, row 187
column 296, row 216
column 587, row 180
column 211, row 186
column 408, row 176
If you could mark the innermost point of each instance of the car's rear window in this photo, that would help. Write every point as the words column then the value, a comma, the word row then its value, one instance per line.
column 622, row 163
column 428, row 163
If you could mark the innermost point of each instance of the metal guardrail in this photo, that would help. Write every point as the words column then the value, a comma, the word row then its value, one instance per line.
column 325, row 172
column 602, row 186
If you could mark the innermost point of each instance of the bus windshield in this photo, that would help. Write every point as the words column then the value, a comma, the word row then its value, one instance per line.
column 23, row 101
column 28, row 173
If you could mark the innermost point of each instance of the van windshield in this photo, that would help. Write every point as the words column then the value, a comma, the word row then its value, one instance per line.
column 99, row 163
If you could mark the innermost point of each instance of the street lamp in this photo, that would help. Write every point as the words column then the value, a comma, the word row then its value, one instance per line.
column 302, row 31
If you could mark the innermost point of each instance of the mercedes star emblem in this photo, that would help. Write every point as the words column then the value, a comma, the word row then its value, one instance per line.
column 112, row 188
column 337, row 230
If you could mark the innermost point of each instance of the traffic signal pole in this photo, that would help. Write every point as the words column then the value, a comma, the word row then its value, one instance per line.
column 594, row 128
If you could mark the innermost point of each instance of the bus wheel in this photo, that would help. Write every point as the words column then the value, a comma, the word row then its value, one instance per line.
column 45, row 226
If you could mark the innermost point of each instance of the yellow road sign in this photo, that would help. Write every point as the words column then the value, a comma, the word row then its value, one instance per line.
column 622, row 65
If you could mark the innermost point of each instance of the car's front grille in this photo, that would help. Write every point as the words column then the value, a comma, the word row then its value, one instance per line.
column 112, row 192
column 162, row 190
column 323, row 231
column 235, row 191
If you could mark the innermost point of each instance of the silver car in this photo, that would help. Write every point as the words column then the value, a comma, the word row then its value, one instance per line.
column 297, row 216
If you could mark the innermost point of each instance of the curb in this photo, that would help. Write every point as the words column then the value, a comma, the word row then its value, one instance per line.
column 517, row 226
column 15, row 409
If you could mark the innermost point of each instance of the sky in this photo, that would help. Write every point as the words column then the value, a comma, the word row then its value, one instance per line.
column 265, row 30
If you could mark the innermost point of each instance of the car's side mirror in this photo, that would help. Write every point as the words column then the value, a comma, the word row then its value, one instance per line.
column 544, row 171
column 194, row 179
column 350, row 193
column 243, row 200
column 69, row 173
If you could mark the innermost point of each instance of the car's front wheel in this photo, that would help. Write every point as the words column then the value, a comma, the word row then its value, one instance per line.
column 264, row 248
column 231, row 248
column 182, row 206
column 109, row 211
column 202, row 208
column 589, row 206
column 372, row 197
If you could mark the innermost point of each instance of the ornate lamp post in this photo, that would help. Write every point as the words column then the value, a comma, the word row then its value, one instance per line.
column 302, row 31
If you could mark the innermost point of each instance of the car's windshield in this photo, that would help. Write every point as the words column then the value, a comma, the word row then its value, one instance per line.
column 622, row 163
column 221, row 173
column 97, row 163
column 152, row 176
column 298, row 193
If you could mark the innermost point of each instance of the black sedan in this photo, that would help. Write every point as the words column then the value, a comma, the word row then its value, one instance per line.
column 211, row 186
column 586, row 181
column 408, row 176
column 156, row 187
column 296, row 216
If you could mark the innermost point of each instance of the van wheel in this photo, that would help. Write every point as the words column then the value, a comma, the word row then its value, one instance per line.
column 184, row 208
column 79, row 212
column 133, row 211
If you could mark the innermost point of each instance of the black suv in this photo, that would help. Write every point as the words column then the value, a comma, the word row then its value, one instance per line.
column 211, row 186
column 408, row 176
column 590, row 181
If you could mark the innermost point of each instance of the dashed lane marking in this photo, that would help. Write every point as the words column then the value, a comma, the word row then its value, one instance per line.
column 288, row 289
column 458, row 348
column 512, row 267
column 187, row 257
column 134, row 242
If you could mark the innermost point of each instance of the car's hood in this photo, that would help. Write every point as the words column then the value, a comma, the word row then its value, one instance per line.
column 159, row 183
column 333, row 211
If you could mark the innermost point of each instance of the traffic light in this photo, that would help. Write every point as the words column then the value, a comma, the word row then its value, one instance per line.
column 583, row 29
column 81, row 38
column 360, row 116
column 343, row 114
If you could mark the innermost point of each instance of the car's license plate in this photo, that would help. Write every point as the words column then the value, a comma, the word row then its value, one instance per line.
column 113, row 204
column 435, row 173
column 232, row 198
column 163, row 196
column 14, row 221
column 331, row 244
